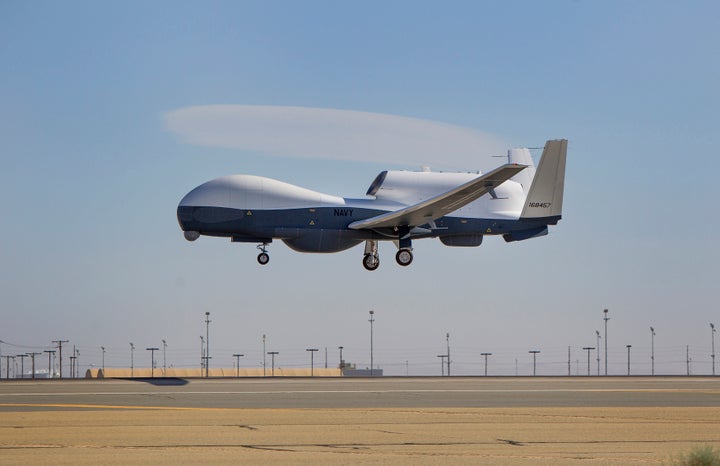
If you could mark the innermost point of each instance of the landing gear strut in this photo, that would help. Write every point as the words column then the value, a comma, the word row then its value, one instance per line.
column 404, row 255
column 263, row 258
column 371, row 260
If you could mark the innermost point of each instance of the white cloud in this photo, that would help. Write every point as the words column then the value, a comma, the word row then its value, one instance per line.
column 322, row 133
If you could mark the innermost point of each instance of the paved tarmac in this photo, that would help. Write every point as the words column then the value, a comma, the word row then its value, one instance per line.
column 405, row 421
column 387, row 392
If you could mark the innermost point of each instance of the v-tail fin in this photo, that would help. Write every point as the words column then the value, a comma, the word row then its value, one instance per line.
column 545, row 198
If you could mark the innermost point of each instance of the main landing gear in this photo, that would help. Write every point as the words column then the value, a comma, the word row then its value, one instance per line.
column 263, row 258
column 371, row 259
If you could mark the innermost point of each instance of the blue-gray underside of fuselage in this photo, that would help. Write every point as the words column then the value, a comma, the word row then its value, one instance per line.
column 290, row 224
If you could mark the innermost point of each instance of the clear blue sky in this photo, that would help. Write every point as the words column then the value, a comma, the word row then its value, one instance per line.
column 90, row 179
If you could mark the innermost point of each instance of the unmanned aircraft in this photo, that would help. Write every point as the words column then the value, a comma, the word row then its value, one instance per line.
column 515, row 200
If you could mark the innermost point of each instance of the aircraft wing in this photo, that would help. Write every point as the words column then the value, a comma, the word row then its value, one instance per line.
column 442, row 204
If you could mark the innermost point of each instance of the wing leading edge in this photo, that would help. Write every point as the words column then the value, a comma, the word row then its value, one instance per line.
column 442, row 204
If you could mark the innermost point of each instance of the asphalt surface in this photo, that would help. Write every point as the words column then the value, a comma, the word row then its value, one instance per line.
column 400, row 392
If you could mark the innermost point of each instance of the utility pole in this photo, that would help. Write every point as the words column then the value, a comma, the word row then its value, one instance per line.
column 77, row 361
column 272, row 355
column 606, row 318
column 312, row 353
column 687, row 358
column 22, row 364
column 652, row 351
column 486, row 356
column 342, row 364
column 152, row 361
column 50, row 353
column 442, row 363
column 238, row 356
column 207, row 344
column 164, row 361
column 534, row 353
column 712, row 326
column 326, row 357
column 32, row 357
column 628, row 348
column 588, row 349
column 59, row 344
column 597, row 333
column 132, row 363
column 448, row 352
column 103, row 357
column 372, row 319
column 72, row 365
column 7, row 364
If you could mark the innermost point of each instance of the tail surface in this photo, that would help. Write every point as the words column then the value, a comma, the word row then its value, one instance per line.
column 545, row 198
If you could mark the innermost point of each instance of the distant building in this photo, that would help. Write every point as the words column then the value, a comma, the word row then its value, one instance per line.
column 349, row 370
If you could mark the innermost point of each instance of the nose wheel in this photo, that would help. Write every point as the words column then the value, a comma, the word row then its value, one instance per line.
column 404, row 257
column 263, row 258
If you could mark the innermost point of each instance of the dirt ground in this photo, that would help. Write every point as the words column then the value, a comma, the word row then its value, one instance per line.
column 507, row 436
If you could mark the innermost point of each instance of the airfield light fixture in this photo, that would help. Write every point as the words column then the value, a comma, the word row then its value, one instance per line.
column 652, row 351
column 372, row 320
column 207, row 344
column 312, row 353
column 132, row 362
column 606, row 318
column 712, row 327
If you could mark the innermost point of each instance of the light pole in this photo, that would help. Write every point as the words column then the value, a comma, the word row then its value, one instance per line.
column 152, row 361
column 712, row 326
column 628, row 348
column 272, row 355
column 448, row 352
column 103, row 357
column 342, row 364
column 312, row 363
column 372, row 319
column 22, row 364
column 588, row 349
column 132, row 362
column 202, row 355
column 534, row 353
column 597, row 333
column 59, row 344
column 486, row 356
column 606, row 318
column 442, row 363
column 264, row 358
column 207, row 344
column 238, row 356
column 164, row 364
column 652, row 351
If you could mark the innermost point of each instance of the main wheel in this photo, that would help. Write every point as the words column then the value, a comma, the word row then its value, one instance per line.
column 263, row 258
column 371, row 262
column 404, row 257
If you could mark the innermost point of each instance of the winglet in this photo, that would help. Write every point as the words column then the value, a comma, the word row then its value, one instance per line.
column 545, row 198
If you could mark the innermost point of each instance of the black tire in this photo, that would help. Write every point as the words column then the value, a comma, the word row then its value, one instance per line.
column 263, row 258
column 404, row 257
column 371, row 262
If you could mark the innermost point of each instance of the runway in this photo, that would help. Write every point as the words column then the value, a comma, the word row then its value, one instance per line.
column 400, row 392
column 478, row 420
